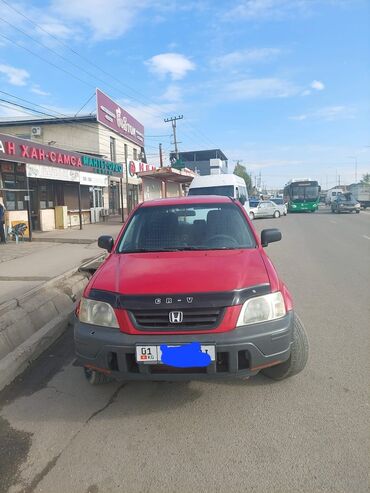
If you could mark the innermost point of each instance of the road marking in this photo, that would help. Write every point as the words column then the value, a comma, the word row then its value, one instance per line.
column 334, row 222
column 367, row 237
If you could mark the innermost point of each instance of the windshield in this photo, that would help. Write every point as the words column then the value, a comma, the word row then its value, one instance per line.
column 278, row 201
column 195, row 227
column 345, row 197
column 225, row 190
column 305, row 192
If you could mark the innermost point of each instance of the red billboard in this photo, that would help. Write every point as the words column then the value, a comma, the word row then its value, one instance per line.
column 110, row 114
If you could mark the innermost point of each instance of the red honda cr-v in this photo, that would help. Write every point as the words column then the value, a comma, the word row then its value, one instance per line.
column 188, row 292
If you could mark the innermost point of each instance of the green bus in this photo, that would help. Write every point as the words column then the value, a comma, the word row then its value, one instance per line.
column 302, row 195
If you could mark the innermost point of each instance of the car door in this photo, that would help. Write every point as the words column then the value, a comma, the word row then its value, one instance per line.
column 270, row 208
column 262, row 210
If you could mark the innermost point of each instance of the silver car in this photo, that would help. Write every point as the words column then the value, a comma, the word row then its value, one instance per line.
column 266, row 208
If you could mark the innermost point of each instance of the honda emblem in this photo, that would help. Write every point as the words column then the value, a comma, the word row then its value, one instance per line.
column 176, row 317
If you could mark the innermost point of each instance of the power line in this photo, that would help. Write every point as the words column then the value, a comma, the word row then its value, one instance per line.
column 72, row 50
column 28, row 109
column 150, row 111
column 87, row 60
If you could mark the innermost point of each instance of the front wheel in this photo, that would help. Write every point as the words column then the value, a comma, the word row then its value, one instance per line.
column 298, row 355
column 276, row 214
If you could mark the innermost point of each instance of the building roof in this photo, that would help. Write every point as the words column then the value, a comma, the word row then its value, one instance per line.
column 202, row 155
column 169, row 174
column 47, row 120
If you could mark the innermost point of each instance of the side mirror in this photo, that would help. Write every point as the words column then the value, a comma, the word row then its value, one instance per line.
column 269, row 236
column 106, row 242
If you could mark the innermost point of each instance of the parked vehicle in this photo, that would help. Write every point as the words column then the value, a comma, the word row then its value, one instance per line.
column 302, row 195
column 280, row 201
column 266, row 208
column 188, row 292
column 361, row 192
column 228, row 185
column 345, row 202
column 332, row 195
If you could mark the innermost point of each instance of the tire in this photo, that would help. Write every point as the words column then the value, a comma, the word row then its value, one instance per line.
column 96, row 377
column 298, row 355
column 251, row 215
column 276, row 214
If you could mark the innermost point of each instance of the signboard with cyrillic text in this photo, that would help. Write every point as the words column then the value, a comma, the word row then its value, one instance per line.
column 113, row 116
column 18, row 150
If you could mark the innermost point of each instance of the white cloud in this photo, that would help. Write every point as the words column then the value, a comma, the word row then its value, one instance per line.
column 318, row 85
column 328, row 113
column 276, row 9
column 105, row 20
column 15, row 76
column 172, row 93
column 244, row 56
column 261, row 88
column 173, row 64
column 36, row 90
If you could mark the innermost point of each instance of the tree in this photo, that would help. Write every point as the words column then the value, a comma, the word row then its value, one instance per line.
column 241, row 171
column 366, row 178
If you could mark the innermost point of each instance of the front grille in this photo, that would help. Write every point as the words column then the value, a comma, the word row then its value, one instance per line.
column 193, row 319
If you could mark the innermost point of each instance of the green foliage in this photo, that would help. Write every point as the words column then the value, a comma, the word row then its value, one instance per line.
column 241, row 171
column 366, row 178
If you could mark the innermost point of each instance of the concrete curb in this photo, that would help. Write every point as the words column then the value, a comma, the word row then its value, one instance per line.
column 14, row 302
column 34, row 309
column 17, row 361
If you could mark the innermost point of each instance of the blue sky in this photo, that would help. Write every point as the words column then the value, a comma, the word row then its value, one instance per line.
column 281, row 85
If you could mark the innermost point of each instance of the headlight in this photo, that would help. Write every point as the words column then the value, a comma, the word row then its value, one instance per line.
column 263, row 308
column 97, row 313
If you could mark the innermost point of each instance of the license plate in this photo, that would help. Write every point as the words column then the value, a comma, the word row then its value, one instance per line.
column 153, row 354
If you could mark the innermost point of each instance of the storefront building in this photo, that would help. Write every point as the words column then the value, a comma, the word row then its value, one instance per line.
column 110, row 135
column 52, row 187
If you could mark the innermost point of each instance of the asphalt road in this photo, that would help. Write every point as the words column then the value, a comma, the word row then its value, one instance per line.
column 307, row 434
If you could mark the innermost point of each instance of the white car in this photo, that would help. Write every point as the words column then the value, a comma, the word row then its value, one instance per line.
column 266, row 208
column 280, row 202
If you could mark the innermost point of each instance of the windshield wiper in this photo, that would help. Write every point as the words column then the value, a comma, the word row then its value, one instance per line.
column 150, row 250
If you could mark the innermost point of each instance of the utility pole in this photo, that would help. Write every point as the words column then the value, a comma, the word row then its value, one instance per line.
column 160, row 156
column 173, row 122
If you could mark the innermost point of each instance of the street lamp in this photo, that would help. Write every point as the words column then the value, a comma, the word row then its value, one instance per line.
column 355, row 160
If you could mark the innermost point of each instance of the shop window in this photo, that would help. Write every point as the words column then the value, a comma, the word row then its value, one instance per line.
column 135, row 154
column 10, row 200
column 113, row 149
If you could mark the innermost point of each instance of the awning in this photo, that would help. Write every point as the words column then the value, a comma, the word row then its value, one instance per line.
column 169, row 174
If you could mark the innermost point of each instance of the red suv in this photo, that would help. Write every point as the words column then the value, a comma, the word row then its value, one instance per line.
column 188, row 292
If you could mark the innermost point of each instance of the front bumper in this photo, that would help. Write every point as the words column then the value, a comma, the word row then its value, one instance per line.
column 348, row 209
column 241, row 352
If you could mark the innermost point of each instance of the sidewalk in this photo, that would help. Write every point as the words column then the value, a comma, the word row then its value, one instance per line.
column 30, row 264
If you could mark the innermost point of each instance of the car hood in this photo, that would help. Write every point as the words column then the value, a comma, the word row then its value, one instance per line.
column 181, row 272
